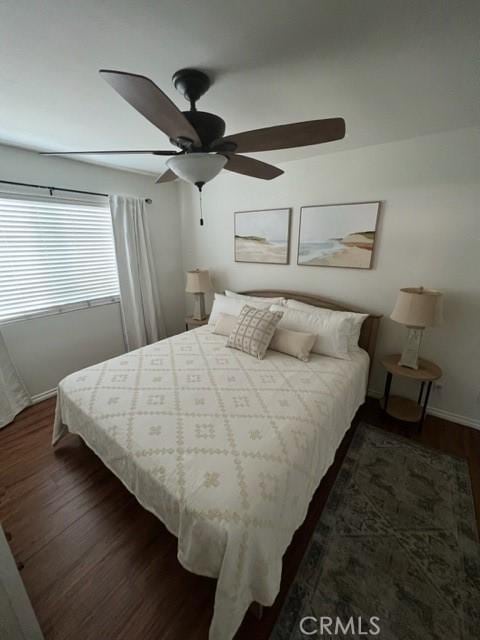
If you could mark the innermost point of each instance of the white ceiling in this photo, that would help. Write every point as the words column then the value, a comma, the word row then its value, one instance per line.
column 392, row 69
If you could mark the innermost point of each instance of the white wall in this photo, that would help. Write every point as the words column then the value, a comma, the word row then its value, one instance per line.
column 46, row 349
column 428, row 235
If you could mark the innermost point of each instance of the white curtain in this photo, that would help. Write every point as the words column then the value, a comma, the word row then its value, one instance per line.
column 13, row 395
column 141, row 313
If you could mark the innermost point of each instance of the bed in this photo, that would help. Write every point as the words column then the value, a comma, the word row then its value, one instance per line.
column 224, row 449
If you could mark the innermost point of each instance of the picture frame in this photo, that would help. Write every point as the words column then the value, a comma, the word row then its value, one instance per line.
column 338, row 235
column 262, row 236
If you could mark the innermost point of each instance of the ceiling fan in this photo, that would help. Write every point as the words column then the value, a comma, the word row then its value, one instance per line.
column 203, row 150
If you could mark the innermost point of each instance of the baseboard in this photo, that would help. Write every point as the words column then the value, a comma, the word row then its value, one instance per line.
column 440, row 413
column 43, row 396
column 454, row 417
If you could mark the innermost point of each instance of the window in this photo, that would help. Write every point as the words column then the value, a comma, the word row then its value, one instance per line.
column 56, row 254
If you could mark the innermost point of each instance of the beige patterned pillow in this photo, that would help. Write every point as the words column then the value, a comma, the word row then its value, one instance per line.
column 254, row 331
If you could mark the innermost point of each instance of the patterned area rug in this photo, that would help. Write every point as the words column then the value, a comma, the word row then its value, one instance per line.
column 397, row 541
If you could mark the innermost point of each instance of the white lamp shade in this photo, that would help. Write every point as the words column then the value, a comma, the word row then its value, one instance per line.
column 418, row 307
column 197, row 167
column 198, row 281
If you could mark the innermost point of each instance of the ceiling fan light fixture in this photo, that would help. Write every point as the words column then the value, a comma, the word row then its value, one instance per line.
column 197, row 167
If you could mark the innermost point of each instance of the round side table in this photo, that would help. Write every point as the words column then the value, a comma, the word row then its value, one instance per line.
column 404, row 408
column 193, row 323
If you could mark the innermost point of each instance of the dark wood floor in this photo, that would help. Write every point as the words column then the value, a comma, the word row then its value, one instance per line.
column 97, row 565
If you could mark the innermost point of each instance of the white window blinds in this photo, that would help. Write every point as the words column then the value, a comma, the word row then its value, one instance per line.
column 55, row 254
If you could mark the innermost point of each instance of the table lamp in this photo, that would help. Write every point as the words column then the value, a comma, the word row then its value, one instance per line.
column 198, row 282
column 417, row 308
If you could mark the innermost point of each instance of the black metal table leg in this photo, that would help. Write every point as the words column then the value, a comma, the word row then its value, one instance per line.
column 425, row 404
column 386, row 393
column 419, row 401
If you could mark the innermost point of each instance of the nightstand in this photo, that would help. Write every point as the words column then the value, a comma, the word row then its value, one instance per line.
column 192, row 323
column 404, row 408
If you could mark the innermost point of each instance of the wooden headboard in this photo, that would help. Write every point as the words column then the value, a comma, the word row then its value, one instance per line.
column 368, row 335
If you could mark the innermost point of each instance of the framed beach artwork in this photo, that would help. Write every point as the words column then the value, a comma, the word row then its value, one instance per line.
column 338, row 235
column 262, row 236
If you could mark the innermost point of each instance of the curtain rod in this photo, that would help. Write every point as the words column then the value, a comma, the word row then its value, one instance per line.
column 51, row 189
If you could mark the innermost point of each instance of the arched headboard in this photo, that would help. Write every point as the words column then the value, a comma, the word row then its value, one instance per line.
column 368, row 335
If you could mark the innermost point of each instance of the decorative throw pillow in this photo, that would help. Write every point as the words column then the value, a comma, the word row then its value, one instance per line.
column 293, row 343
column 225, row 324
column 232, row 306
column 331, row 332
column 254, row 331
column 355, row 319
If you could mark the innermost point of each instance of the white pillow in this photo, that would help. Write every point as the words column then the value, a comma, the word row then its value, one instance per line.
column 331, row 332
column 355, row 319
column 250, row 299
column 225, row 324
column 231, row 306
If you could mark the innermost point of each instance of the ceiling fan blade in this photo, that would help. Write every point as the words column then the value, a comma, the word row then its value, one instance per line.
column 251, row 167
column 167, row 176
column 124, row 152
column 287, row 136
column 144, row 96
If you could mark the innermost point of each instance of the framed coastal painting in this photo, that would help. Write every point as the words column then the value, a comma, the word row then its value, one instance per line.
column 338, row 235
column 262, row 236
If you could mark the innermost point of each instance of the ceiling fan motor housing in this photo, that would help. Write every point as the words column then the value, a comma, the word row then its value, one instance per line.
column 208, row 126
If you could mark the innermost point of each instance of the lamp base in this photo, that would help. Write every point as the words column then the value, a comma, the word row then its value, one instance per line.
column 411, row 349
column 199, row 307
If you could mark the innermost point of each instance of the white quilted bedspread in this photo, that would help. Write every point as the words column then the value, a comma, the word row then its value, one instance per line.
column 224, row 449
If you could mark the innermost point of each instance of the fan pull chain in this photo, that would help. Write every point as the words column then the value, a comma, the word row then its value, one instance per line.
column 199, row 186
